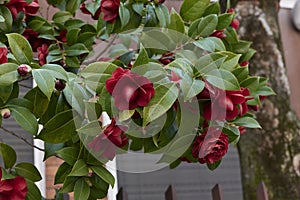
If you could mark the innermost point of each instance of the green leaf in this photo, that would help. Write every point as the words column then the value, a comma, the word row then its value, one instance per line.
column 76, row 50
column 25, row 119
column 176, row 22
column 28, row 171
column 181, row 67
column 161, row 16
column 142, row 57
column 124, row 15
column 6, row 25
column 8, row 154
column 104, row 174
column 8, row 74
column 214, row 165
column 209, row 62
column 39, row 100
column 20, row 47
column 62, row 173
column 210, row 44
column 72, row 6
column 138, row 8
column 51, row 149
column 224, row 20
column 248, row 122
column 177, row 148
column 125, row 115
column 222, row 79
column 59, row 129
column 231, row 61
column 232, row 132
column 163, row 99
column 79, row 169
column 69, row 154
column 61, row 16
column 33, row 191
column 69, row 184
column 45, row 81
column 190, row 87
column 5, row 93
column 193, row 9
column 213, row 8
column 72, row 36
column 96, row 73
column 207, row 25
column 81, row 190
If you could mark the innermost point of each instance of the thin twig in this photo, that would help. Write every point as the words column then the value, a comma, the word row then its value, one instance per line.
column 21, row 138
column 111, row 42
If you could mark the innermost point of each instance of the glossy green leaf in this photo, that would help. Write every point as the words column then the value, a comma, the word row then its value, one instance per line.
column 25, row 118
column 222, row 79
column 39, row 100
column 69, row 184
column 124, row 15
column 76, row 50
column 176, row 22
column 72, row 36
column 213, row 8
column 207, row 25
column 209, row 62
column 8, row 155
column 33, row 191
column 190, row 87
column 138, row 8
column 28, row 171
column 248, row 122
column 72, row 6
column 142, row 57
column 61, row 16
column 45, row 81
column 20, row 47
column 79, row 169
column 59, row 129
column 69, row 154
column 8, row 74
column 51, row 149
column 164, row 97
column 210, row 44
column 193, row 9
column 224, row 20
column 104, row 174
column 5, row 93
column 62, row 173
column 6, row 24
column 177, row 148
column 81, row 190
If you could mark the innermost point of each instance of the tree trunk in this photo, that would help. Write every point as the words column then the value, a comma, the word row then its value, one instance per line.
column 267, row 154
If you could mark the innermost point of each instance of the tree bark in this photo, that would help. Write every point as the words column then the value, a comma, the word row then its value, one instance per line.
column 267, row 154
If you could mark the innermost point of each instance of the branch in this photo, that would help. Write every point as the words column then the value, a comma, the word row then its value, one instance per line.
column 21, row 138
column 111, row 42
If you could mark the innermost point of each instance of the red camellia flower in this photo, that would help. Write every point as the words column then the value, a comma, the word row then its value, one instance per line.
column 32, row 8
column 34, row 40
column 219, row 34
column 106, row 142
column 42, row 54
column 13, row 189
column 129, row 90
column 210, row 147
column 233, row 102
column 16, row 6
column 110, row 10
column 3, row 55
column 235, row 24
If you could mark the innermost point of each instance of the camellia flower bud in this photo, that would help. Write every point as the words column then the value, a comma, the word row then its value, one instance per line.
column 24, row 69
column 60, row 85
column 159, row 1
column 5, row 113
